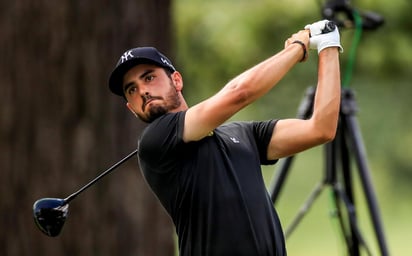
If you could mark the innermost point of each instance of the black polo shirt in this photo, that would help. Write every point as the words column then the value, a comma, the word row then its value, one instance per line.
column 213, row 189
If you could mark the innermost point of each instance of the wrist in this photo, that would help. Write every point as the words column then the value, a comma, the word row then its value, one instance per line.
column 305, row 51
column 329, row 51
column 330, row 46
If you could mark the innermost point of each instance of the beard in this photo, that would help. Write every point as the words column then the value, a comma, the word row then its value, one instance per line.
column 171, row 101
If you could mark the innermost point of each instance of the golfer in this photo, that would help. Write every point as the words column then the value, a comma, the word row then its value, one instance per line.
column 206, row 171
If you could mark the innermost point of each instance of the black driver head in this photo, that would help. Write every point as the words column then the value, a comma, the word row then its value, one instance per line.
column 50, row 215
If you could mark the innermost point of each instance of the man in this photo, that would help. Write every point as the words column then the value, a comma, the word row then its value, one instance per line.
column 206, row 173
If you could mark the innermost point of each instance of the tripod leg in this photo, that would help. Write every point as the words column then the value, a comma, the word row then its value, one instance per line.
column 332, row 151
column 356, row 237
column 304, row 111
column 336, row 154
column 347, row 196
column 305, row 208
column 357, row 147
column 280, row 178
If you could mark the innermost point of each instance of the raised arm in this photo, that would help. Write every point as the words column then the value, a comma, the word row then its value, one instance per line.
column 291, row 136
column 244, row 89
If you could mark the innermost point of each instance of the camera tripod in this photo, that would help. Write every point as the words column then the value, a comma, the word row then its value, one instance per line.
column 337, row 152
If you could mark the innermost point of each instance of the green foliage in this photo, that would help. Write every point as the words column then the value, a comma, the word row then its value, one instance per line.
column 216, row 40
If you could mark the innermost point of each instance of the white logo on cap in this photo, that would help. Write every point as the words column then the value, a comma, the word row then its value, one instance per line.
column 126, row 55
column 166, row 62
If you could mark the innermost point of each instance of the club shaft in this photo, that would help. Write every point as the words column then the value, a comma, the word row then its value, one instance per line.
column 75, row 194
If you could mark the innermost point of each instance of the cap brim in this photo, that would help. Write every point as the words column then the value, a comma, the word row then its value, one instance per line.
column 116, row 78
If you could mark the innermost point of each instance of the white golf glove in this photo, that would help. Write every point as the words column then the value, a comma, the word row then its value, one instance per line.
column 320, row 40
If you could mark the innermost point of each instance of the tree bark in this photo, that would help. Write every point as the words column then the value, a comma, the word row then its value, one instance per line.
column 61, row 126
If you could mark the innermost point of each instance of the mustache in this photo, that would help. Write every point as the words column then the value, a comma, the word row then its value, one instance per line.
column 147, row 98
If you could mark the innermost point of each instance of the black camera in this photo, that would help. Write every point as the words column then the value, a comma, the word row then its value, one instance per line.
column 342, row 13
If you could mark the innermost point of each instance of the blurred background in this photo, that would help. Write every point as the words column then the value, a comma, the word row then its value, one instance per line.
column 60, row 126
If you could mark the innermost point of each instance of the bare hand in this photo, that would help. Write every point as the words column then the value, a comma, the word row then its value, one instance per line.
column 302, row 35
column 302, row 38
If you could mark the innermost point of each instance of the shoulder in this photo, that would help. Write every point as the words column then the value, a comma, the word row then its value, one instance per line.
column 167, row 120
column 164, row 124
column 165, row 130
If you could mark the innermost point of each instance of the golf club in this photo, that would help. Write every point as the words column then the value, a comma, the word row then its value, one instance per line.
column 51, row 213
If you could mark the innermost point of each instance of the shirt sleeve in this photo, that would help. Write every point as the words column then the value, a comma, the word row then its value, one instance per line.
column 263, row 133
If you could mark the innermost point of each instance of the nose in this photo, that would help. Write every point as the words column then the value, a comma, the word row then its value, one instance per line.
column 145, row 95
column 142, row 90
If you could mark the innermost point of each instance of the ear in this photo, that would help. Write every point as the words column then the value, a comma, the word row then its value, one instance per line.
column 129, row 106
column 177, row 81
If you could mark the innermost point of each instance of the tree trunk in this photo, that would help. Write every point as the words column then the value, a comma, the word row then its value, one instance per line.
column 61, row 127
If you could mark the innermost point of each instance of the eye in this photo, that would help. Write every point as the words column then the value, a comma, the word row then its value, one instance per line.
column 131, row 90
column 149, row 78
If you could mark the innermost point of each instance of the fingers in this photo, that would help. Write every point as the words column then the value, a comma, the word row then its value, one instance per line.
column 302, row 35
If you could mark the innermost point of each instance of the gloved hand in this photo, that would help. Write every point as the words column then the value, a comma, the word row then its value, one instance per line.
column 320, row 40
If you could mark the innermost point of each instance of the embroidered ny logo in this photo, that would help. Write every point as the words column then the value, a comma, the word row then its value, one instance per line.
column 126, row 55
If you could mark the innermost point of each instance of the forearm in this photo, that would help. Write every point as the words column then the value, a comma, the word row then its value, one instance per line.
column 327, row 97
column 267, row 74
column 258, row 80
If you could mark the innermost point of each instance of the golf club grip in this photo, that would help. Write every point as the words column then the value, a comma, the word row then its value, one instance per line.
column 329, row 27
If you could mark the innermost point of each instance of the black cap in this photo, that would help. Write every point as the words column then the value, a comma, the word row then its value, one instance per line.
column 133, row 57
